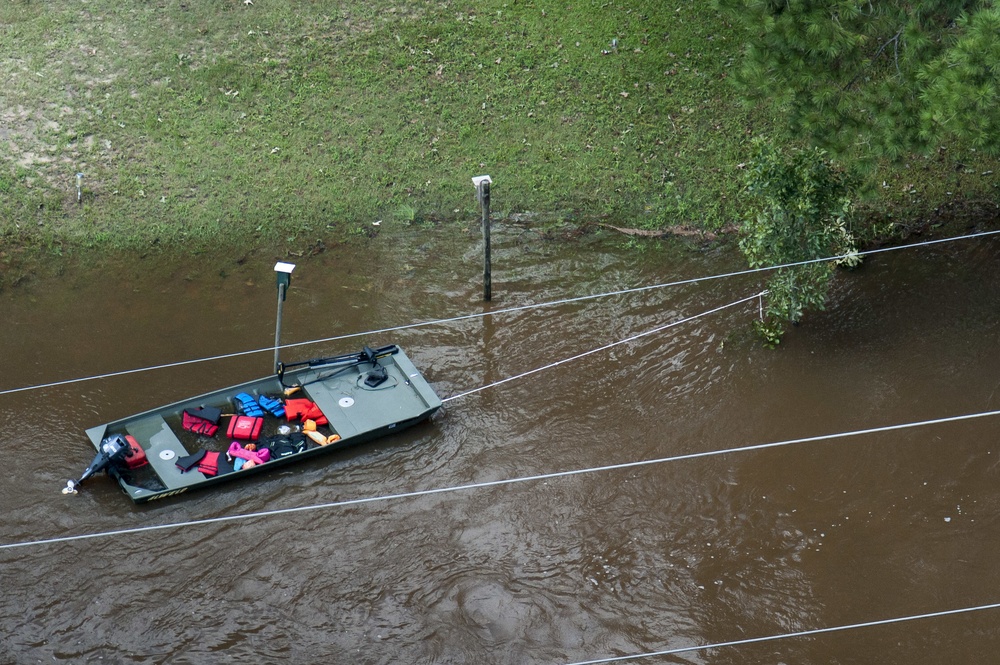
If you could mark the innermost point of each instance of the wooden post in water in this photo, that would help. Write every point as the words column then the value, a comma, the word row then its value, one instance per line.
column 482, row 184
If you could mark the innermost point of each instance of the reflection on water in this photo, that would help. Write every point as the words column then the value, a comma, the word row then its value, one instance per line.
column 598, row 565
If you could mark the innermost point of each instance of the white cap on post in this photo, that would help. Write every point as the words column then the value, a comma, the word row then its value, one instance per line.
column 479, row 181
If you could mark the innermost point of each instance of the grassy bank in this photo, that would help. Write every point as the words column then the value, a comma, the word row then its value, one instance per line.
column 270, row 122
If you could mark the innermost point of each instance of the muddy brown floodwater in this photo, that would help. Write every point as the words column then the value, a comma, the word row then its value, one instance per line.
column 697, row 551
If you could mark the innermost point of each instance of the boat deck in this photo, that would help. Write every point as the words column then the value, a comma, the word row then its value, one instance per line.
column 353, row 408
column 163, row 450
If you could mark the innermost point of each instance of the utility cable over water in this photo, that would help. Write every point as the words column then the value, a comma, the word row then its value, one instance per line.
column 508, row 310
column 659, row 647
column 576, row 472
column 502, row 482
column 605, row 347
column 785, row 636
column 511, row 481
column 110, row 449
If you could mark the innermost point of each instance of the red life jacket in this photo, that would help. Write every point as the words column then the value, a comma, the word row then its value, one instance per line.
column 198, row 425
column 244, row 427
column 209, row 464
column 304, row 409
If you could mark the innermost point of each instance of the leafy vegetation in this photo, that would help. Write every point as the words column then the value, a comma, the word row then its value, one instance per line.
column 895, row 89
column 802, row 214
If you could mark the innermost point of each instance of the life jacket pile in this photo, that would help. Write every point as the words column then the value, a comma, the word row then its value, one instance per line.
column 247, row 425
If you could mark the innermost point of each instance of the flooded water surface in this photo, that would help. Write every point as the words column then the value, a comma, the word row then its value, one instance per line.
column 704, row 548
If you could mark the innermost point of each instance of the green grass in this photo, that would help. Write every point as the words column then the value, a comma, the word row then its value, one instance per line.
column 201, row 122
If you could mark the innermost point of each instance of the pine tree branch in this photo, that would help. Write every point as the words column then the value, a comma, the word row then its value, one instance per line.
column 895, row 41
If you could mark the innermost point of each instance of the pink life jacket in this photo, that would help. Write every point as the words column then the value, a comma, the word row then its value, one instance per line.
column 259, row 457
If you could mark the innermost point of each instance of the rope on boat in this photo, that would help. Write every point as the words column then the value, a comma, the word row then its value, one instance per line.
column 800, row 633
column 505, row 482
column 605, row 347
column 508, row 310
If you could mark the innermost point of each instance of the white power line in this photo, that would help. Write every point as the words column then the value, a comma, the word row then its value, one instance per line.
column 511, row 481
column 508, row 310
column 603, row 348
column 785, row 636
column 504, row 482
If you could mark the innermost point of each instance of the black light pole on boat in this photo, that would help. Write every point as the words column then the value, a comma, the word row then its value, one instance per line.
column 284, row 273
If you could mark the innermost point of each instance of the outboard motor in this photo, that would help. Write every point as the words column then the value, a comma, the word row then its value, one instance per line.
column 113, row 449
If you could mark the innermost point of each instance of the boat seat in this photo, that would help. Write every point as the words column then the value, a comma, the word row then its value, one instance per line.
column 163, row 449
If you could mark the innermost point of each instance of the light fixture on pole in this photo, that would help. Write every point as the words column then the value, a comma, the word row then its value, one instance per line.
column 284, row 274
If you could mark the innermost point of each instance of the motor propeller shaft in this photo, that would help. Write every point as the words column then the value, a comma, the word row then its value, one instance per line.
column 113, row 449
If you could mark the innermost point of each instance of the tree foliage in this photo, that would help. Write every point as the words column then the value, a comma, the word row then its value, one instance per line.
column 884, row 77
column 801, row 213
column 960, row 89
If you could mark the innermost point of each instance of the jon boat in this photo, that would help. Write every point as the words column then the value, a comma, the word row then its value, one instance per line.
column 362, row 396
